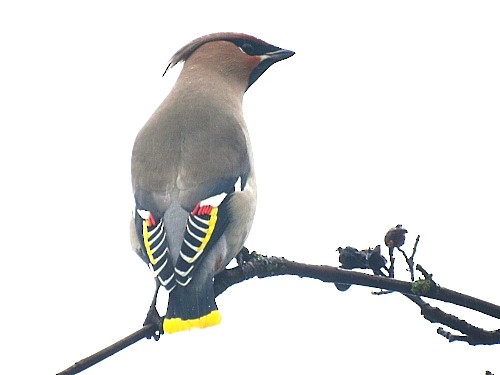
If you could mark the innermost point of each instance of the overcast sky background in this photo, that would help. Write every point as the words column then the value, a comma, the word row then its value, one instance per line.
column 388, row 113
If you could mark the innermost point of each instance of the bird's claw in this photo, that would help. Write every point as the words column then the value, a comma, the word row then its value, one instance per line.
column 243, row 256
column 153, row 318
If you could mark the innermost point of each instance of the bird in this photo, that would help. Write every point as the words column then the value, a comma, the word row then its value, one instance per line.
column 193, row 175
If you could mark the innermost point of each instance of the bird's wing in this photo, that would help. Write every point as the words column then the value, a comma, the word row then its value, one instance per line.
column 205, row 225
column 155, row 247
column 178, row 229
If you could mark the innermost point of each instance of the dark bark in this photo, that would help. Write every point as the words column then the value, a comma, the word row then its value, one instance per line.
column 261, row 266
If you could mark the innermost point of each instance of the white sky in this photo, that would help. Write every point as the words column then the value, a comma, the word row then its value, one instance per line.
column 387, row 114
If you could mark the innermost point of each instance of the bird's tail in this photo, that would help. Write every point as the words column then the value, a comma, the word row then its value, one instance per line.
column 189, row 307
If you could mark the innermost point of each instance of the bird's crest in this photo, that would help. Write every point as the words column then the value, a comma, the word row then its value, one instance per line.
column 186, row 51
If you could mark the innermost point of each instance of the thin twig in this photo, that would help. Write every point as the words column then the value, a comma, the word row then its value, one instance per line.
column 392, row 261
column 415, row 247
column 85, row 363
column 409, row 262
column 409, row 259
column 427, row 275
column 382, row 292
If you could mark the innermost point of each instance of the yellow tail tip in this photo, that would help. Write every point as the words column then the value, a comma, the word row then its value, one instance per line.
column 172, row 325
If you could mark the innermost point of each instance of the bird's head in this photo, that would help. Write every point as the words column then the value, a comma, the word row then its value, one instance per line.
column 237, row 55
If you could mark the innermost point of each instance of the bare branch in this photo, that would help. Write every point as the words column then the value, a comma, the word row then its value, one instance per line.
column 471, row 334
column 273, row 266
column 255, row 265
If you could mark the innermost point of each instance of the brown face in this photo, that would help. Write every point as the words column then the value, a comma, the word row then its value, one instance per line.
column 239, row 56
column 228, row 59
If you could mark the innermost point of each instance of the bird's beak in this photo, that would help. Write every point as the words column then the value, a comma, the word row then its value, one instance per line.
column 268, row 59
column 279, row 55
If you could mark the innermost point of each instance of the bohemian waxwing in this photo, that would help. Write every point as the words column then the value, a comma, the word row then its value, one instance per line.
column 193, row 177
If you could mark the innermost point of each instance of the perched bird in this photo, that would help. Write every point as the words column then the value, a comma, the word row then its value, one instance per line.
column 193, row 177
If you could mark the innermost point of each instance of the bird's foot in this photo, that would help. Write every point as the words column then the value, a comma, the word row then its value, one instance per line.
column 243, row 256
column 154, row 319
